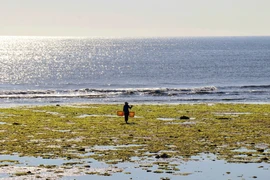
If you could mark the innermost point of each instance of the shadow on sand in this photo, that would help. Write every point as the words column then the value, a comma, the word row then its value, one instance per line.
column 129, row 123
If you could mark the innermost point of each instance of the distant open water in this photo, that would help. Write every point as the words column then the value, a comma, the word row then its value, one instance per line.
column 47, row 70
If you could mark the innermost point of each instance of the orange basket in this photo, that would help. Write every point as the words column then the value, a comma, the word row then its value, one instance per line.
column 120, row 113
column 131, row 114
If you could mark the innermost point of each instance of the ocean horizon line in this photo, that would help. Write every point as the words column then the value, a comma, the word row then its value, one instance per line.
column 130, row 37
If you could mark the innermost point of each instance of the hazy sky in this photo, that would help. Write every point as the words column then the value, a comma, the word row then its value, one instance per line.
column 134, row 17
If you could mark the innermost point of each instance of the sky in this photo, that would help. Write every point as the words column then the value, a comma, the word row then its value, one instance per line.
column 134, row 18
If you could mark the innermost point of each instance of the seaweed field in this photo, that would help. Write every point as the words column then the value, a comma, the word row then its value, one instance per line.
column 167, row 134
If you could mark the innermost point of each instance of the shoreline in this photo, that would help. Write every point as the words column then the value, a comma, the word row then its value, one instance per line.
column 120, row 103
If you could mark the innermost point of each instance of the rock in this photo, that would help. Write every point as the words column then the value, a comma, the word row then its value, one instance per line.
column 81, row 149
column 224, row 118
column 260, row 150
column 184, row 117
column 164, row 155
column 264, row 159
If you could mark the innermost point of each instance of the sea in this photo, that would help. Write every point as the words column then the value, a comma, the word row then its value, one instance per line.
column 173, row 70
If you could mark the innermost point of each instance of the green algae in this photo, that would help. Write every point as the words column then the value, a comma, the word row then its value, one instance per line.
column 65, row 132
column 22, row 173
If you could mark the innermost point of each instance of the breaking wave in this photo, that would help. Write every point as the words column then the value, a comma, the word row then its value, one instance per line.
column 103, row 93
column 143, row 95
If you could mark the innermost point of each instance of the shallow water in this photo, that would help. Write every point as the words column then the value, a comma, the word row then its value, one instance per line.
column 204, row 166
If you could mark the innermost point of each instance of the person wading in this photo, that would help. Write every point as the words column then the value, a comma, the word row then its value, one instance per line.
column 126, row 111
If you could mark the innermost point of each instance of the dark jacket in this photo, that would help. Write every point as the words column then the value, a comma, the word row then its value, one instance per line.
column 126, row 108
